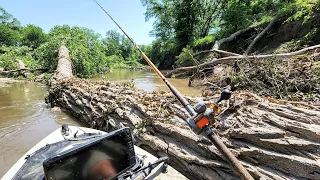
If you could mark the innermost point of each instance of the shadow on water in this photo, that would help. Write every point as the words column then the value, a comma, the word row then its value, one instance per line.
column 25, row 120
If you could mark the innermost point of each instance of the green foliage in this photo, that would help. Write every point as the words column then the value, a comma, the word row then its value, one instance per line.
column 8, row 56
column 206, row 40
column 235, row 16
column 163, row 11
column 112, row 42
column 9, row 26
column 264, row 19
column 8, row 20
column 306, row 40
column 118, row 45
column 8, row 36
column 189, row 22
column 90, row 53
column 33, row 36
column 162, row 50
column 302, row 9
column 147, row 49
column 177, row 24
column 185, row 57
column 185, row 12
column 86, row 51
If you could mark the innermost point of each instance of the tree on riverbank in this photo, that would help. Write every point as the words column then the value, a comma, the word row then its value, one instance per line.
column 200, row 23
column 90, row 52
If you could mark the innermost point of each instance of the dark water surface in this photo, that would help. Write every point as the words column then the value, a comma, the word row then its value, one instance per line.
column 25, row 119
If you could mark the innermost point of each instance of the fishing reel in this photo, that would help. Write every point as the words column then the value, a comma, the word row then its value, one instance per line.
column 204, row 113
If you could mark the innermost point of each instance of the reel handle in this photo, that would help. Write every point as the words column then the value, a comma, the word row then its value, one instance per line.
column 225, row 95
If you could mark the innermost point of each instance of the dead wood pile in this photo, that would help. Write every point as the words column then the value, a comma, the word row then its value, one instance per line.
column 233, row 58
column 293, row 76
column 296, row 78
column 273, row 141
column 22, row 70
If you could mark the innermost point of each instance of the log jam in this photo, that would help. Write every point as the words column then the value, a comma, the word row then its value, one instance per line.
column 273, row 140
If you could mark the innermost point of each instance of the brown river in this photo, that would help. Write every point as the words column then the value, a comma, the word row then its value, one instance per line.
column 25, row 118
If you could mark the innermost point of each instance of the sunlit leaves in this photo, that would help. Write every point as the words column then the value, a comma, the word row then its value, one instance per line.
column 33, row 36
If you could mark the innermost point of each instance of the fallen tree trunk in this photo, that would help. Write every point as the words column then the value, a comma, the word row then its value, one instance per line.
column 241, row 57
column 232, row 37
column 260, row 35
column 64, row 68
column 20, row 64
column 272, row 141
column 21, row 71
column 221, row 53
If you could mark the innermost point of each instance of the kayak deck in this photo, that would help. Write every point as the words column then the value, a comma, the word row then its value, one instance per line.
column 29, row 166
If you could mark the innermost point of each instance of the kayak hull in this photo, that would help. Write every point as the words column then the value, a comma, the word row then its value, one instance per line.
column 57, row 136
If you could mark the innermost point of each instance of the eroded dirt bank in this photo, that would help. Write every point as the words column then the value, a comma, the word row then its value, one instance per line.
column 274, row 141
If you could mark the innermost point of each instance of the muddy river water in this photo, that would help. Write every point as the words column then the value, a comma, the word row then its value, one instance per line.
column 25, row 118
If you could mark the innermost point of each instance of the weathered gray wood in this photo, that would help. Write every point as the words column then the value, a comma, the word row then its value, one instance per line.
column 222, row 53
column 20, row 64
column 21, row 71
column 232, row 37
column 64, row 68
column 260, row 35
column 214, row 62
column 273, row 141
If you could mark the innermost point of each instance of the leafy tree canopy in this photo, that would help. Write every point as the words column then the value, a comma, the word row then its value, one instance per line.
column 179, row 23
column 89, row 51
column 33, row 36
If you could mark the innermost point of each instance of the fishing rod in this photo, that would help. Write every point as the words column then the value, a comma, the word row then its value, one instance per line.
column 201, row 117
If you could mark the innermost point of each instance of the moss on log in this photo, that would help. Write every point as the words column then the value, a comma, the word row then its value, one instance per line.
column 273, row 141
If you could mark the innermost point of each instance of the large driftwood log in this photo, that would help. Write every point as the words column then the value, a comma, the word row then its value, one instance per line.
column 64, row 68
column 220, row 52
column 273, row 141
column 21, row 69
column 260, row 35
column 232, row 37
column 214, row 62
column 20, row 64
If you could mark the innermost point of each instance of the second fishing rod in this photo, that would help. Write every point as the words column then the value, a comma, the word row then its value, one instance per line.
column 201, row 116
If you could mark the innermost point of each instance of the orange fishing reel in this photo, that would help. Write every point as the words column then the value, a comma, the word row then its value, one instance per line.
column 205, row 113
